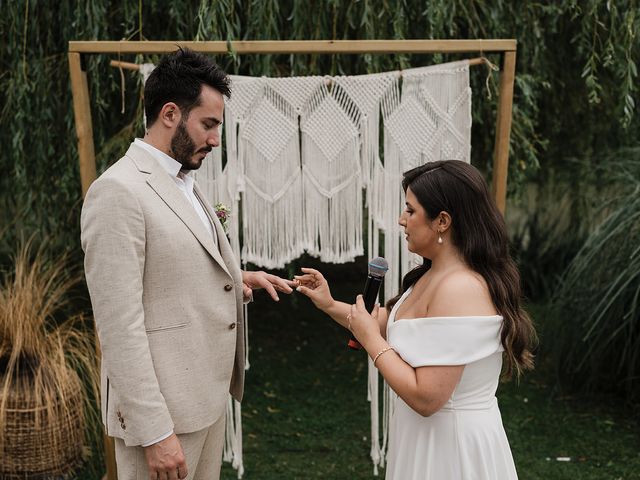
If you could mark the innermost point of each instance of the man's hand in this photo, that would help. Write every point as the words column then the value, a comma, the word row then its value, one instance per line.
column 271, row 283
column 166, row 459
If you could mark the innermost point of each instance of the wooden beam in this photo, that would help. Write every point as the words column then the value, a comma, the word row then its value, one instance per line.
column 124, row 65
column 84, row 128
column 298, row 46
column 136, row 67
column 503, row 130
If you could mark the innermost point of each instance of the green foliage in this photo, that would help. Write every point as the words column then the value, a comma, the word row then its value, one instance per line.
column 575, row 86
column 551, row 219
column 594, row 325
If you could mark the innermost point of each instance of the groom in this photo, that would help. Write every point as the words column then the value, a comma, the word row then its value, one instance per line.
column 166, row 290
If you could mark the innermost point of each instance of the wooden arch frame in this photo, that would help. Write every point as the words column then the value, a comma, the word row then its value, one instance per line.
column 84, row 125
column 82, row 108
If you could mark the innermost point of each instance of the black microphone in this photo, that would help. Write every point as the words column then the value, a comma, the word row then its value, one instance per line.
column 377, row 268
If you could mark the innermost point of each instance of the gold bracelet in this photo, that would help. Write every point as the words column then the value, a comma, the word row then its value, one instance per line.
column 384, row 350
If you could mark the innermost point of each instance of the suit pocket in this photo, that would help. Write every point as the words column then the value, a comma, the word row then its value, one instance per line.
column 167, row 328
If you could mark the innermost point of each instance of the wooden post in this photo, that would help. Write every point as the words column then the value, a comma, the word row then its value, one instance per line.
column 84, row 128
column 503, row 130
column 87, row 156
column 110, row 459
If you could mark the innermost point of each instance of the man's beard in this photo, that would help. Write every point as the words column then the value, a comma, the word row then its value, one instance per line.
column 184, row 148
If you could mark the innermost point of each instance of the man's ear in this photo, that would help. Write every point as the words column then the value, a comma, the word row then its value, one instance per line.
column 170, row 115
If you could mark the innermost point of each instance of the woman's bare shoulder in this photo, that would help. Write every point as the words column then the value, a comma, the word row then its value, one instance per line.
column 462, row 292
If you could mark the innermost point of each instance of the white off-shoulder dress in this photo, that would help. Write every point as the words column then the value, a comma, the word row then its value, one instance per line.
column 465, row 440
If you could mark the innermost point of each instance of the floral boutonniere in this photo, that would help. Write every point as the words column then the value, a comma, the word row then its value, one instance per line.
column 223, row 213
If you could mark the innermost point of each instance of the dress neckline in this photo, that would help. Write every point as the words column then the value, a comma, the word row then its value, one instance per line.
column 395, row 308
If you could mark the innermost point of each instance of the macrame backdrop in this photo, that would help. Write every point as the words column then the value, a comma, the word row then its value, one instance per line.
column 269, row 151
column 299, row 153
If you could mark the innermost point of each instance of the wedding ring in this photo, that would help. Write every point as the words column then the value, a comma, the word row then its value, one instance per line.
column 349, row 320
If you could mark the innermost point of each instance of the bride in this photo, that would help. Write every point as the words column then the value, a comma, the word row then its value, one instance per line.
column 441, row 343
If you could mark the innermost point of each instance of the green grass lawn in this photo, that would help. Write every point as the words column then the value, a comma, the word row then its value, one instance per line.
column 305, row 414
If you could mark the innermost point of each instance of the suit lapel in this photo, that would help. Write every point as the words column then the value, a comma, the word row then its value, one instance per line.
column 170, row 194
column 223, row 243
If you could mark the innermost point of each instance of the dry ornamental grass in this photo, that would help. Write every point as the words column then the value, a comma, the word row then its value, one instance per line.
column 42, row 397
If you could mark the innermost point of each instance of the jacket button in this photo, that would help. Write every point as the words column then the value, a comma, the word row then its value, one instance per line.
column 124, row 427
column 232, row 326
column 228, row 288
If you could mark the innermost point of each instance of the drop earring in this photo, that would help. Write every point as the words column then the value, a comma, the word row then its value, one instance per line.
column 440, row 242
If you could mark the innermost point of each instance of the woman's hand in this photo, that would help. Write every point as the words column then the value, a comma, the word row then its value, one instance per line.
column 364, row 325
column 313, row 285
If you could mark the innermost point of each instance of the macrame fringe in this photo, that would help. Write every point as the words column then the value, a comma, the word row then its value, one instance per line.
column 333, row 220
column 273, row 227
column 377, row 456
column 232, row 449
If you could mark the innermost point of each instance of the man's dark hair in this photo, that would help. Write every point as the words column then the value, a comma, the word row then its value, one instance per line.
column 179, row 78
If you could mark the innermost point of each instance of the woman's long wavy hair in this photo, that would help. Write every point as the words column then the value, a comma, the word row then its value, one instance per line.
column 478, row 231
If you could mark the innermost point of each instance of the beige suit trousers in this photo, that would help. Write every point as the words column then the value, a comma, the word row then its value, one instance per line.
column 202, row 449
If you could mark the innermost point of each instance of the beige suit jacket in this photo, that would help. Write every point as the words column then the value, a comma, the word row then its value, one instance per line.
column 167, row 303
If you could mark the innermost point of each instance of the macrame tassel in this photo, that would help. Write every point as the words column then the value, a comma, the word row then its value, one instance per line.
column 372, row 396
column 238, row 462
column 273, row 231
column 388, row 398
column 232, row 449
column 229, row 433
column 332, row 176
column 333, row 218
column 145, row 70
column 393, row 196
